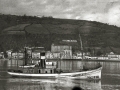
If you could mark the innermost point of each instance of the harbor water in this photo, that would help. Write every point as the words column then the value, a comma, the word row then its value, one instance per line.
column 110, row 78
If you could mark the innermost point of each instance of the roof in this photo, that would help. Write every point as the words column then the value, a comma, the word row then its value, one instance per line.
column 38, row 49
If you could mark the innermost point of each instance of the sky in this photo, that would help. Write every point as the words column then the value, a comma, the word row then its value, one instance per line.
column 105, row 11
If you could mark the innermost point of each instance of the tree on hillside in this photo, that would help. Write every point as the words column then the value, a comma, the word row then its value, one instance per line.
column 99, row 53
column 1, row 48
column 16, row 49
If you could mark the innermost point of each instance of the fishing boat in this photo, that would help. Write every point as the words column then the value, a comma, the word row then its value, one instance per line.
column 45, row 69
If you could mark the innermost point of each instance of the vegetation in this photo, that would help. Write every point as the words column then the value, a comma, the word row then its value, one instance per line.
column 18, row 31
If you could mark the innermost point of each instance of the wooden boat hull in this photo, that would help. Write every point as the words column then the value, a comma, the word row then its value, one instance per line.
column 90, row 74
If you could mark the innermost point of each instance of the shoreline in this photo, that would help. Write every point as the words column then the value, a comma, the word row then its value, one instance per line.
column 100, row 60
column 83, row 60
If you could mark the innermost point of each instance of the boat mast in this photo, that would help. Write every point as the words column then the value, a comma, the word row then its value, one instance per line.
column 81, row 46
column 25, row 49
column 81, row 42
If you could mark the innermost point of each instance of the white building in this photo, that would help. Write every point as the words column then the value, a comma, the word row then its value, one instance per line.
column 9, row 53
column 80, row 55
column 48, row 55
column 17, row 55
column 102, row 58
column 35, row 55
column 60, row 48
column 113, row 56
column 66, row 54
column 1, row 55
column 56, row 55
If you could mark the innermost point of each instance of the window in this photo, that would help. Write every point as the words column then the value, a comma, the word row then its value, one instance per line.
column 39, row 71
column 97, row 76
column 51, row 70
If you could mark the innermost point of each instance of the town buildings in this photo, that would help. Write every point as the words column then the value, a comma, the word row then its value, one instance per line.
column 1, row 55
column 57, row 52
column 112, row 56
column 9, row 53
column 17, row 55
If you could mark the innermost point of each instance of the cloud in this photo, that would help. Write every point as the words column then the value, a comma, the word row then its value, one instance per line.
column 114, row 15
column 106, row 11
column 109, row 14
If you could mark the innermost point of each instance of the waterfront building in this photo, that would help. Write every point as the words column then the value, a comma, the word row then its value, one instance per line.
column 87, row 54
column 35, row 55
column 14, row 55
column 60, row 48
column 56, row 55
column 87, row 57
column 74, row 56
column 52, row 55
column 17, row 55
column 20, row 55
column 79, row 54
column 33, row 52
column 9, row 53
column 1, row 55
column 61, row 51
column 66, row 54
column 48, row 55
column 113, row 56
column 102, row 58
column 36, row 52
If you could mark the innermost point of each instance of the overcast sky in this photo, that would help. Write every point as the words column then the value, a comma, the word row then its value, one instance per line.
column 106, row 11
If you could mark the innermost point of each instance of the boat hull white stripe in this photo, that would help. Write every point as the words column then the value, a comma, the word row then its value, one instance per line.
column 74, row 75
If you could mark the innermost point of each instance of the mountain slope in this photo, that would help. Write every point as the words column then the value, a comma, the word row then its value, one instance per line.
column 34, row 31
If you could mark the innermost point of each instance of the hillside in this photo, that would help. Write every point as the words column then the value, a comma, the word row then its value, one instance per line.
column 18, row 31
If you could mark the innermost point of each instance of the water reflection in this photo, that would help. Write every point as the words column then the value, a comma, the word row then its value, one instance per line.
column 110, row 79
column 51, row 84
column 111, row 67
column 110, row 82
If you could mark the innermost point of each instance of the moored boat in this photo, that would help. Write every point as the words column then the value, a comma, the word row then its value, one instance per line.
column 49, row 70
column 89, row 74
column 45, row 69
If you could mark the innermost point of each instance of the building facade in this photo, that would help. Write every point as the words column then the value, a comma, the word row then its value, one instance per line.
column 60, row 48
column 61, row 51
column 9, row 53
column 112, row 56
column 17, row 55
